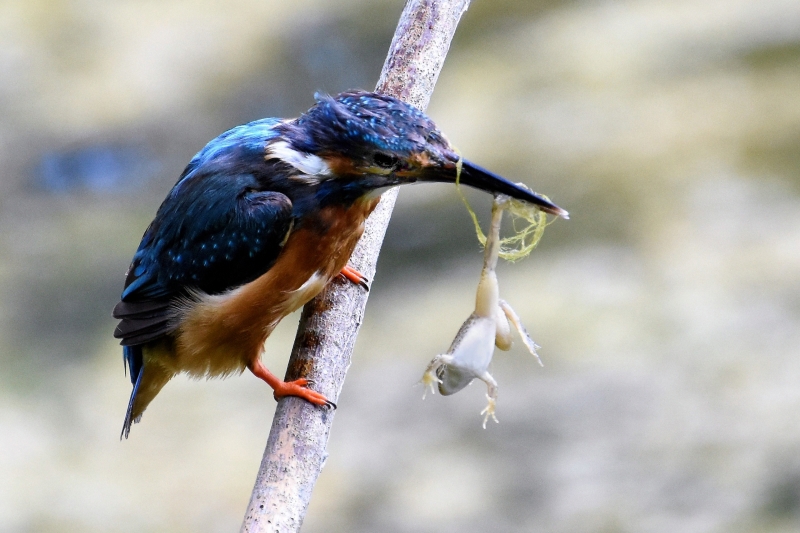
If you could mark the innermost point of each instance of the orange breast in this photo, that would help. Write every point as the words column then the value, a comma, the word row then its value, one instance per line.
column 221, row 334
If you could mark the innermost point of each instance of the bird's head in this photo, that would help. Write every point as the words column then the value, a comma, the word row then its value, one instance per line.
column 378, row 141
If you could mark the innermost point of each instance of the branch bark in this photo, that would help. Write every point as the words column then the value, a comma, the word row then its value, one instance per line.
column 296, row 448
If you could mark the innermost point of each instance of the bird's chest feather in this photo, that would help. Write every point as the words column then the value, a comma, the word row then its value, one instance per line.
column 219, row 334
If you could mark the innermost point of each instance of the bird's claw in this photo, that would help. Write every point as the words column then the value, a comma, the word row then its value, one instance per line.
column 355, row 277
column 299, row 388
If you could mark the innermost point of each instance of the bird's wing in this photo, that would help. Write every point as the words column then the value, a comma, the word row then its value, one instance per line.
column 215, row 231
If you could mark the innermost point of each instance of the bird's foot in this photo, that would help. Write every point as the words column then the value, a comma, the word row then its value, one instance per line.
column 299, row 388
column 356, row 277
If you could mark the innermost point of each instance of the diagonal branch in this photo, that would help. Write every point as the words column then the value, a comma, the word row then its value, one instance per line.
column 296, row 448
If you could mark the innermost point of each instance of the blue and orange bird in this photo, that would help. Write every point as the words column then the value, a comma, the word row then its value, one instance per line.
column 259, row 222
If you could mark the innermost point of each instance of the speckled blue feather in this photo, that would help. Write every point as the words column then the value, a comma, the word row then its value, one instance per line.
column 216, row 229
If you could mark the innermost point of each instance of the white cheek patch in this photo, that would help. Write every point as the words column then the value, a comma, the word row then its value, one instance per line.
column 306, row 163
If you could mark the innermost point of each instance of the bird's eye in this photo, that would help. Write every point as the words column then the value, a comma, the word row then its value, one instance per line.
column 384, row 160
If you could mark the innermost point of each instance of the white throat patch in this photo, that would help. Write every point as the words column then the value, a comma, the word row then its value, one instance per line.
column 306, row 163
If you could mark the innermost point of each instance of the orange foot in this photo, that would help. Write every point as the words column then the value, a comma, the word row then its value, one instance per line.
column 298, row 387
column 355, row 276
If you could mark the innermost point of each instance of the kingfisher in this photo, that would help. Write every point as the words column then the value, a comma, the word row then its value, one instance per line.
column 261, row 219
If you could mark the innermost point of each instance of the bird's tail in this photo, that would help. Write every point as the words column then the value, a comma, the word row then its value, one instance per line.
column 134, row 362
column 147, row 382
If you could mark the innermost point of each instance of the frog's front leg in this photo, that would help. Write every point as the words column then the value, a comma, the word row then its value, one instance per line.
column 430, row 378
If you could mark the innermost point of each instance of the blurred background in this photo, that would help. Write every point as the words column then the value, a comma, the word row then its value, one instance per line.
column 668, row 308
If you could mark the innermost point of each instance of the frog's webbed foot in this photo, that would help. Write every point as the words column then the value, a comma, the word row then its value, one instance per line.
column 491, row 396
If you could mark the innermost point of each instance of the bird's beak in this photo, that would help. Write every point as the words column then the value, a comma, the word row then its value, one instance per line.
column 480, row 178
column 446, row 171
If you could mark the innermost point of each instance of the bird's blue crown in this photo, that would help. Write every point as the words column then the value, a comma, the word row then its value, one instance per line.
column 356, row 123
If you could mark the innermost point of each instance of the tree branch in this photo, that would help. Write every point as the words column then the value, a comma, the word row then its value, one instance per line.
column 296, row 448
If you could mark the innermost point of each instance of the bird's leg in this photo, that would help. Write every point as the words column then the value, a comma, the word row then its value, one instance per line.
column 298, row 387
column 355, row 276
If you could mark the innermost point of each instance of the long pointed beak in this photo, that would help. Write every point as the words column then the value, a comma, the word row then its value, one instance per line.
column 485, row 180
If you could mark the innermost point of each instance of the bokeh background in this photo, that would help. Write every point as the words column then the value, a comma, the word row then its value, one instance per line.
column 668, row 308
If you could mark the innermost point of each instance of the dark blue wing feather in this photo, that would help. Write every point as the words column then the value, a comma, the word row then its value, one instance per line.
column 218, row 234
column 216, row 230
